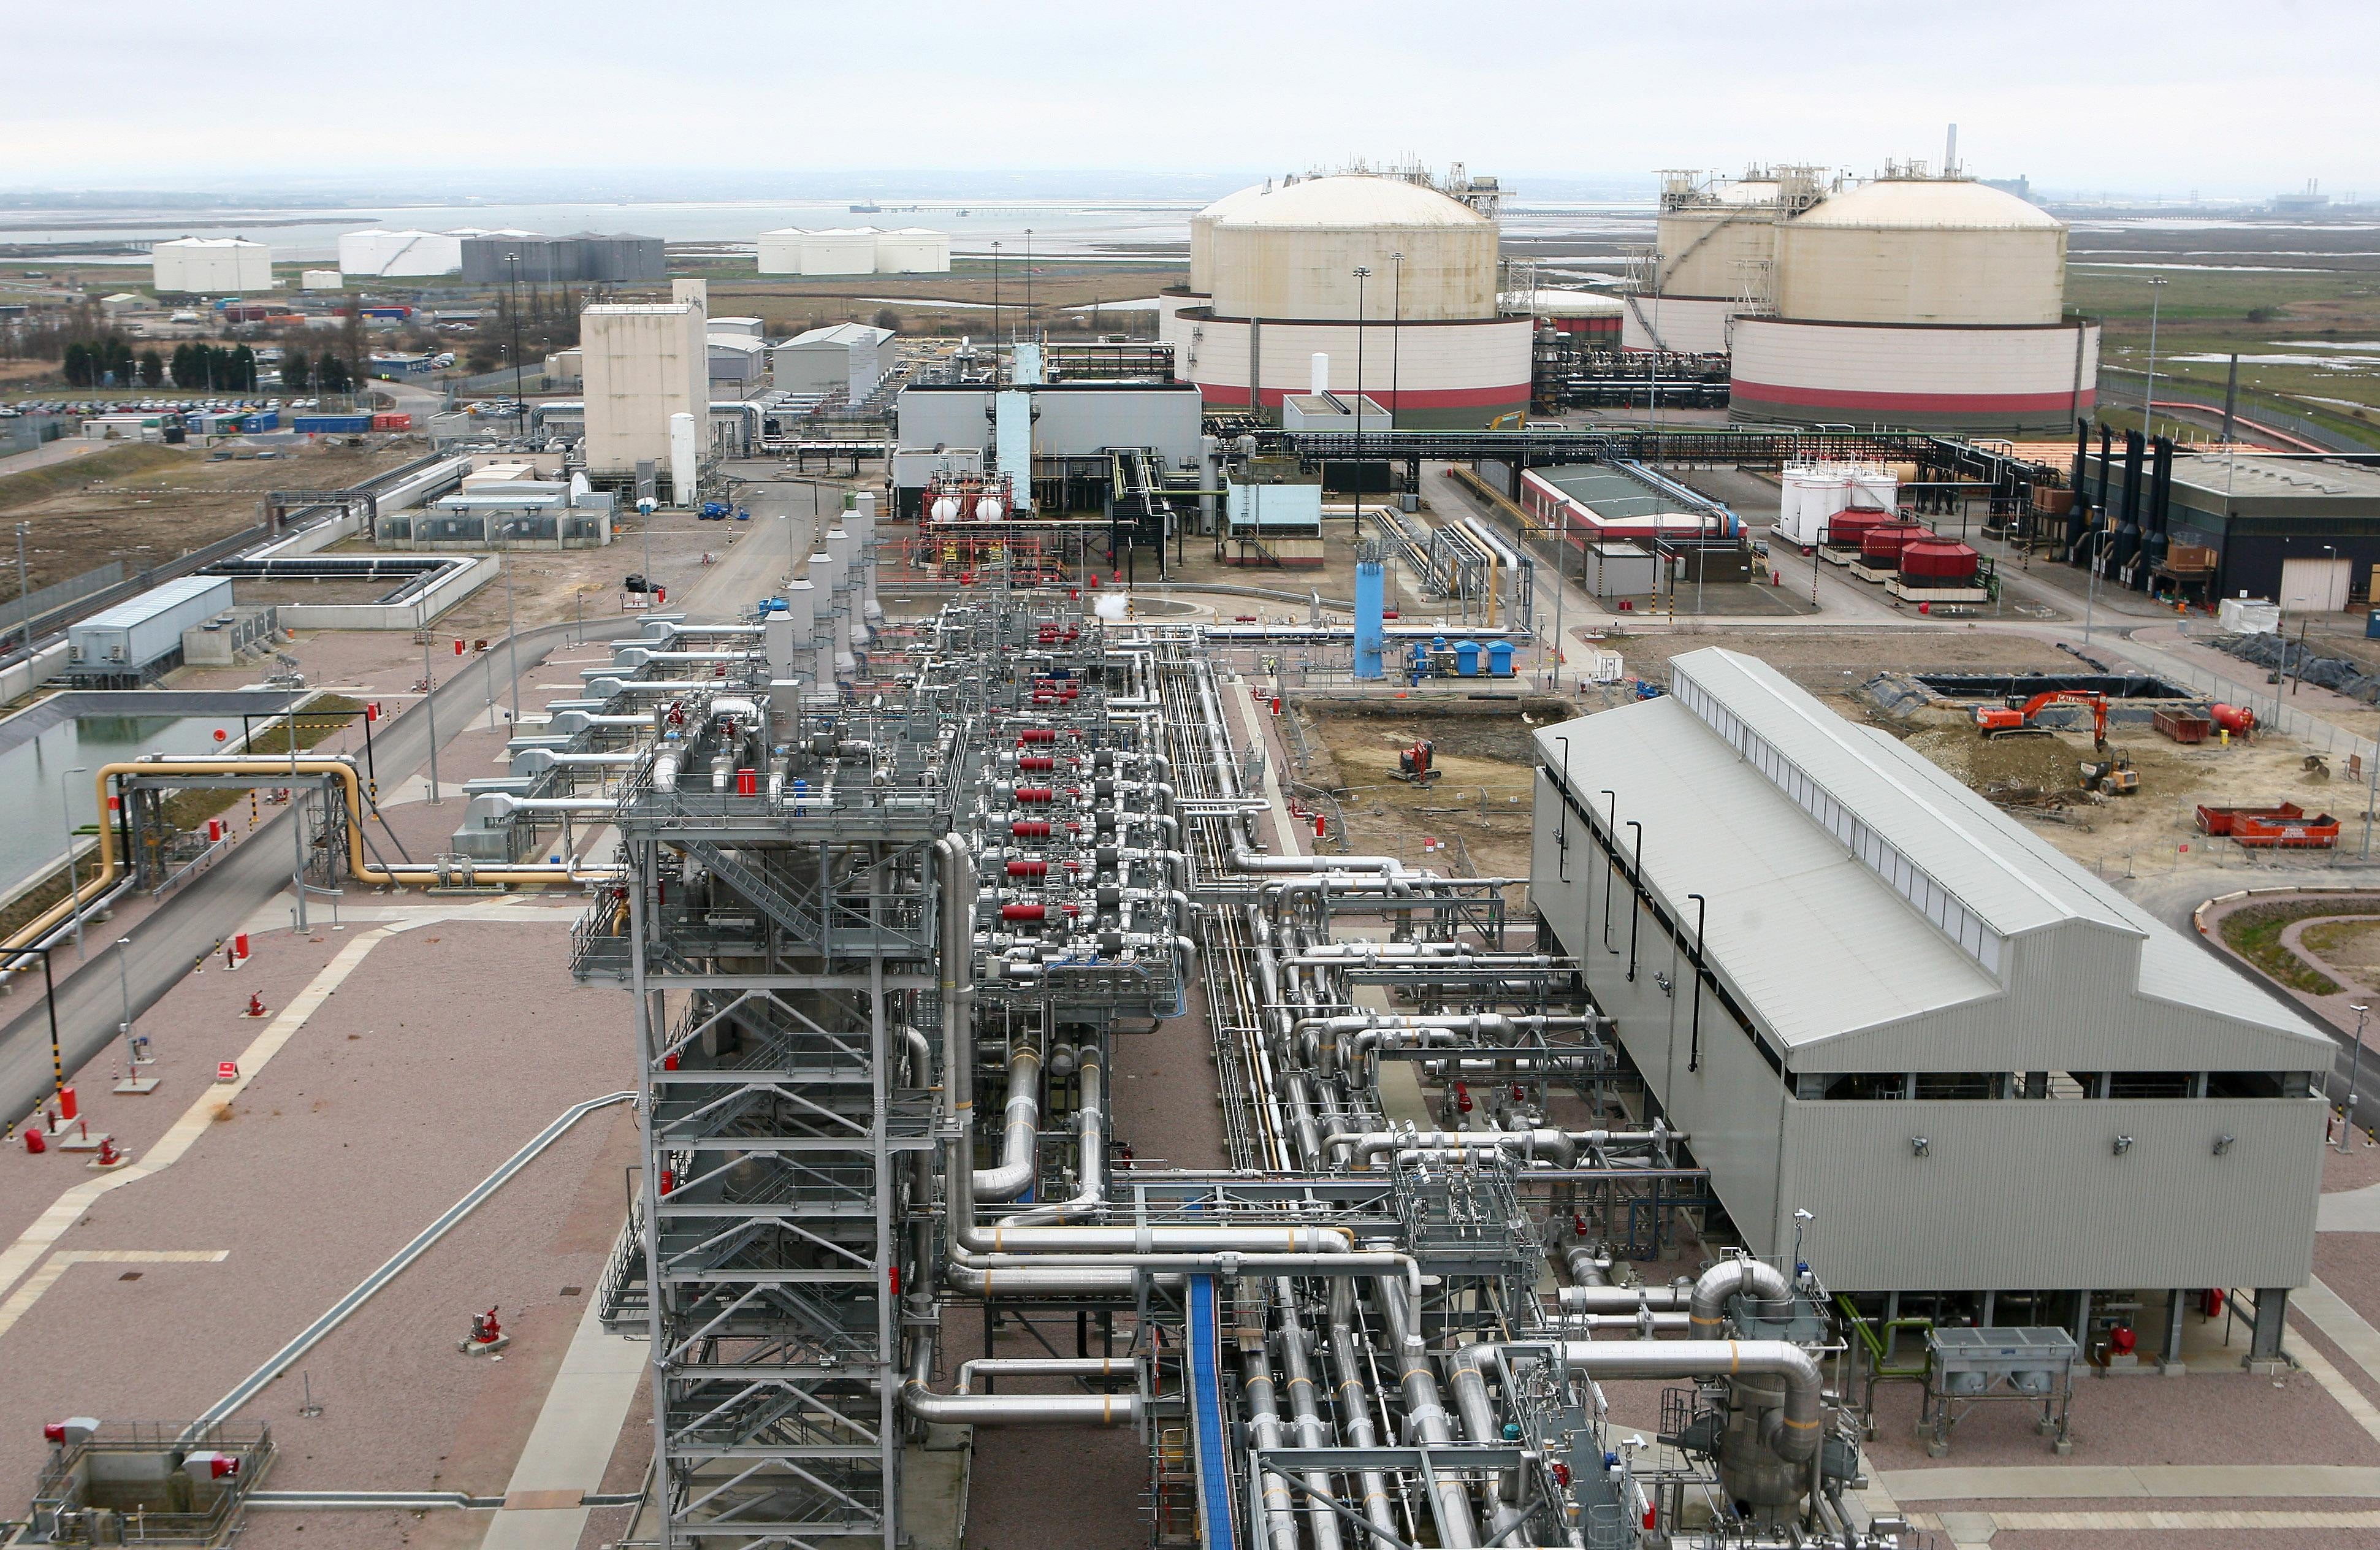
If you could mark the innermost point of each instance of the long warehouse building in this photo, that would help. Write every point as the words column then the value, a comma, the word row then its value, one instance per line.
column 1867, row 994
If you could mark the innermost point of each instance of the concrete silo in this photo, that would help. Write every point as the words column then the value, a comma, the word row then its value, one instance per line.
column 1273, row 284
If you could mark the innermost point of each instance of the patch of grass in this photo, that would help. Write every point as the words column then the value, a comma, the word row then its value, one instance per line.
column 2255, row 933
column 103, row 467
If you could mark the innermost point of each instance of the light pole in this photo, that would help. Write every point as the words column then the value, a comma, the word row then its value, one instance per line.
column 2091, row 587
column 1028, row 284
column 520, row 404
column 2354, row 1079
column 995, row 314
column 512, row 636
column 297, row 819
column 74, row 884
column 1363, row 272
column 429, row 699
column 1396, row 331
column 2148, row 389
column 24, row 597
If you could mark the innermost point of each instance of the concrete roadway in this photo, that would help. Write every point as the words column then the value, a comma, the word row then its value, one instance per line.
column 193, row 923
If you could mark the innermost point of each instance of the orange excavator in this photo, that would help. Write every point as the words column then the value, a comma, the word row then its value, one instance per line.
column 2013, row 721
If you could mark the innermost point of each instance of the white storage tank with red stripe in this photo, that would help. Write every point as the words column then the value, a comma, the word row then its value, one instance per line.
column 1273, row 284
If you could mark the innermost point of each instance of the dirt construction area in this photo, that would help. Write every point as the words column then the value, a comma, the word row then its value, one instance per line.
column 1479, row 808
column 146, row 504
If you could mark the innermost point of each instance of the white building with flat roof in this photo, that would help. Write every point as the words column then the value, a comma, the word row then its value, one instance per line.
column 642, row 363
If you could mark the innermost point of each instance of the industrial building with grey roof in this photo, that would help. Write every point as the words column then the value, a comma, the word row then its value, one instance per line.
column 1867, row 994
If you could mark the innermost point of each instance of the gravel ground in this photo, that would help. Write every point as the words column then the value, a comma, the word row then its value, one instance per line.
column 394, row 1098
column 2141, row 1419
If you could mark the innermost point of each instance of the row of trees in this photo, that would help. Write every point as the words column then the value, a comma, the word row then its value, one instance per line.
column 109, row 361
column 213, row 369
column 325, row 373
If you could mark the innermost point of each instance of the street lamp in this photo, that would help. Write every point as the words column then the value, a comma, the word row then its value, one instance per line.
column 995, row 312
column 1363, row 272
column 2091, row 587
column 520, row 404
column 2354, row 1078
column 2148, row 389
column 74, row 884
column 1396, row 331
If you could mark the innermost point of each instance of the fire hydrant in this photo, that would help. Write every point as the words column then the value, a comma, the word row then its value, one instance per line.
column 487, row 1337
column 255, row 1007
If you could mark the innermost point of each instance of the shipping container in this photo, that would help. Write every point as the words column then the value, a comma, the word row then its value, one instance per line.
column 331, row 425
column 129, row 640
column 392, row 423
column 263, row 420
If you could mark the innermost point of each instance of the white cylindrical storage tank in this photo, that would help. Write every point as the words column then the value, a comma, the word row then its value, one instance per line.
column 913, row 250
column 1810, row 494
column 1923, row 250
column 1715, row 240
column 945, row 509
column 842, row 251
column 1280, row 264
column 989, row 509
column 1875, row 489
column 1202, row 235
column 684, row 459
column 780, row 252
column 211, row 266
column 1292, row 253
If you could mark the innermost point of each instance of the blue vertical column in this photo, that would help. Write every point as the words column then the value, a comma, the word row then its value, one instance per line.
column 1371, row 595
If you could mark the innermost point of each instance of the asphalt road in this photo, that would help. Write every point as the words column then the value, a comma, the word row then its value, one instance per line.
column 192, row 922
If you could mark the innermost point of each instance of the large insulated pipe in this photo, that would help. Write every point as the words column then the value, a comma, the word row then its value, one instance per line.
column 1020, row 1126
column 1623, row 1300
column 1091, row 1151
column 1729, row 1279
column 1306, row 1411
column 1264, row 1430
column 1353, row 1399
column 1465, row 1373
column 1793, row 1436
column 1008, row 1409
column 1424, row 1415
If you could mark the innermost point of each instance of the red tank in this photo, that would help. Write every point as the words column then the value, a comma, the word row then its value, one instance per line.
column 1023, row 912
column 1885, row 541
column 1846, row 528
column 1938, row 563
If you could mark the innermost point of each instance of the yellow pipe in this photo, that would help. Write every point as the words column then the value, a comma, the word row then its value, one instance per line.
column 343, row 770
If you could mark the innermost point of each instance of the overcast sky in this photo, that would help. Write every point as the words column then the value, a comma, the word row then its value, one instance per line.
column 2227, row 98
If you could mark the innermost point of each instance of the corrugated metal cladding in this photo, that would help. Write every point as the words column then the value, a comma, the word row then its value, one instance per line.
column 1830, row 860
column 2018, row 1195
column 1068, row 418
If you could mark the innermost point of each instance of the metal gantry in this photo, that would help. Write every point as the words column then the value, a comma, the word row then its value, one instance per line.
column 778, row 941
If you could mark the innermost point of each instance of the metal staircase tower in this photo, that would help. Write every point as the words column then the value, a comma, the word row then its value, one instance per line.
column 779, row 943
